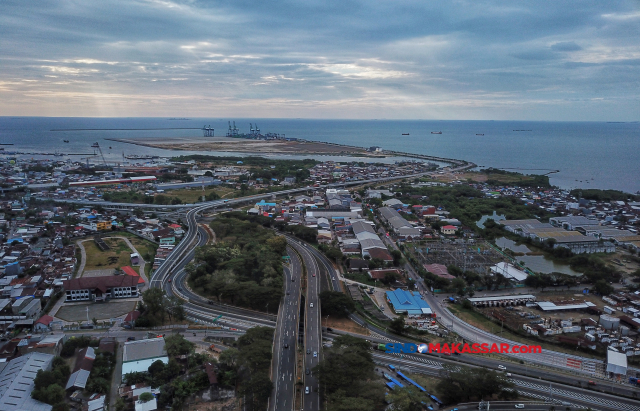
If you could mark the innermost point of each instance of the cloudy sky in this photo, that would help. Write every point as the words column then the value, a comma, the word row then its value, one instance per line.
column 530, row 60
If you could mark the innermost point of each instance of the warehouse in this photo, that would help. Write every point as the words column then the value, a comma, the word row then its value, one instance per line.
column 409, row 302
column 501, row 300
column 137, row 356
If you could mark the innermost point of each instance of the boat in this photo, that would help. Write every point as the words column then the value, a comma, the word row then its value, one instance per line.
column 405, row 134
column 436, row 132
column 479, row 134
column 66, row 141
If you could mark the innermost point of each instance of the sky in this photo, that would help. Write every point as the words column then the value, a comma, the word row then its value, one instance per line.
column 456, row 60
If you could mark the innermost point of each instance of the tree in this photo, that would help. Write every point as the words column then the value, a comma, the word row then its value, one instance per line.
column 602, row 287
column 145, row 397
column 153, row 302
column 177, row 345
column 51, row 395
column 407, row 399
column 336, row 304
column 397, row 325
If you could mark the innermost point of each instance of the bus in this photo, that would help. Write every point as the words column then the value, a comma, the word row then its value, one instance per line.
column 391, row 367
column 410, row 381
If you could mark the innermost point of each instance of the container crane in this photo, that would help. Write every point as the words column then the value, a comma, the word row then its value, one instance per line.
column 96, row 145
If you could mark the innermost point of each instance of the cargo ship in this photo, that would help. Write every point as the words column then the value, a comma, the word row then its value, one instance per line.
column 436, row 132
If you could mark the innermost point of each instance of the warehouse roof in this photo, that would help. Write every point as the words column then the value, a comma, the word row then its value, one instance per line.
column 408, row 301
column 16, row 382
column 143, row 349
column 502, row 298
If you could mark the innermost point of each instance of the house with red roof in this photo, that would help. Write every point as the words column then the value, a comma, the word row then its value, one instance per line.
column 43, row 324
column 448, row 229
column 130, row 271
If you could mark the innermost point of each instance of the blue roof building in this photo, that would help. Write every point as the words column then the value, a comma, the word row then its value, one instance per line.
column 409, row 302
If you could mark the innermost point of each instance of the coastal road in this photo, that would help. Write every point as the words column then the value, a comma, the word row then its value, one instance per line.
column 284, row 364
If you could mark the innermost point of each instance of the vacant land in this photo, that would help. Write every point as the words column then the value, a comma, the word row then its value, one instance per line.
column 478, row 320
column 102, row 311
column 344, row 324
column 192, row 195
column 118, row 256
column 240, row 145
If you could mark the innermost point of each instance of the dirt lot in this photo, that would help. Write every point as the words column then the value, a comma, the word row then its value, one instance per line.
column 344, row 324
column 99, row 311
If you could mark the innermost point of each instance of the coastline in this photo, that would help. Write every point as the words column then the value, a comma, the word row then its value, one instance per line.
column 261, row 147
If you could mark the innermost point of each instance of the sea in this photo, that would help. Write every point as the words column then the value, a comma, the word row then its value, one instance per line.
column 604, row 155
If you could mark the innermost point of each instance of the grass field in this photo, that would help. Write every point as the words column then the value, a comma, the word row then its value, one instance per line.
column 147, row 249
column 118, row 256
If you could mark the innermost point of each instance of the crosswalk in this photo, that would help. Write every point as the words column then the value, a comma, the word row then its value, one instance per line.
column 578, row 396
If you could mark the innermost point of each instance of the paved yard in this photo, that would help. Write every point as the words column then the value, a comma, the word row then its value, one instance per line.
column 98, row 273
column 99, row 311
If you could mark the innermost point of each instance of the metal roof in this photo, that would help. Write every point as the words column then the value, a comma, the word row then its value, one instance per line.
column 78, row 379
column 143, row 349
column 16, row 382
column 502, row 298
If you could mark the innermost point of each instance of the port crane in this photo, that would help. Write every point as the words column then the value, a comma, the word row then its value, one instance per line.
column 96, row 145
column 87, row 159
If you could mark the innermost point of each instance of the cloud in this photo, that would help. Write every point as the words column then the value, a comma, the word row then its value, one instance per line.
column 565, row 46
column 317, row 58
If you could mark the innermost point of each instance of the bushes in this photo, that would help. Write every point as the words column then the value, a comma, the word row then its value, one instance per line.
column 69, row 348
column 49, row 385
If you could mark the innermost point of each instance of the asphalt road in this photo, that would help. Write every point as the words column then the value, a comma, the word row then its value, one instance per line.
column 312, row 326
column 542, row 390
column 283, row 366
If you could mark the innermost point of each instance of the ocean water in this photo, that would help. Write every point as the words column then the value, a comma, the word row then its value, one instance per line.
column 585, row 154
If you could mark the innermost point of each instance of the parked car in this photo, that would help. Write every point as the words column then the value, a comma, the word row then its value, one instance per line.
column 306, row 390
column 131, row 339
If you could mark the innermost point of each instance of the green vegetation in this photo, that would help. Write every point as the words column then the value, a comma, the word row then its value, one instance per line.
column 49, row 385
column 307, row 234
column 467, row 384
column 408, row 399
column 468, row 204
column 244, row 267
column 247, row 367
column 345, row 375
column 73, row 343
column 100, row 377
column 501, row 177
column 336, row 304
column 157, row 306
column 603, row 195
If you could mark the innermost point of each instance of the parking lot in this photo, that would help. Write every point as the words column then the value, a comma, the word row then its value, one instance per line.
column 100, row 311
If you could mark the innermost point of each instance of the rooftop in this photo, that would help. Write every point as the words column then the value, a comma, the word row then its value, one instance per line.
column 16, row 382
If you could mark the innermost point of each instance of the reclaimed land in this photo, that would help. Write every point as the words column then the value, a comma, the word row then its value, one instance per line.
column 242, row 145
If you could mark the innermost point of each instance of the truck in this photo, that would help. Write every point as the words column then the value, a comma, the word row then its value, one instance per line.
column 382, row 347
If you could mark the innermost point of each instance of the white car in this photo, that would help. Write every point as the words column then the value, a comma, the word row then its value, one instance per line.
column 502, row 367
column 315, row 354
column 311, row 305
column 519, row 405
column 306, row 390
